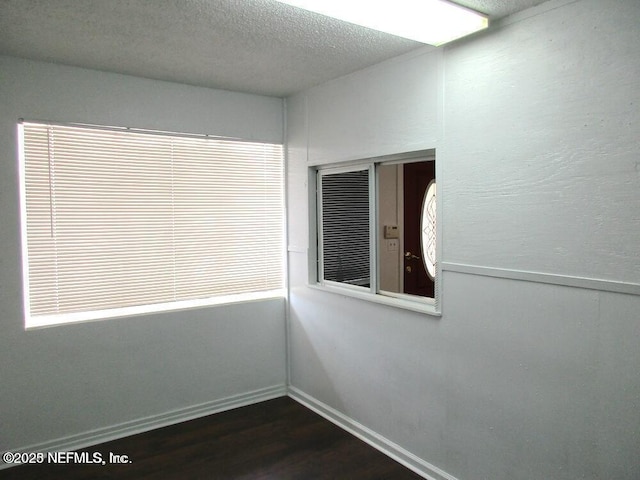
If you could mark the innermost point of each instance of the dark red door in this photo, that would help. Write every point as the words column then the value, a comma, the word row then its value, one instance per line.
column 417, row 177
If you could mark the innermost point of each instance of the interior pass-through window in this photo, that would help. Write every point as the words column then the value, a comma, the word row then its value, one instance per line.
column 377, row 228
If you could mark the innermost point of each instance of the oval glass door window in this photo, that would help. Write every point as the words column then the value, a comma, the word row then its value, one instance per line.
column 428, row 229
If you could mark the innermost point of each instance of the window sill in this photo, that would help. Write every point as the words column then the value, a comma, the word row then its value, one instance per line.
column 55, row 320
column 402, row 303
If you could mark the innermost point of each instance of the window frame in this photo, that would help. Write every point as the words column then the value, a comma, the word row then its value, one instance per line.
column 330, row 171
column 64, row 318
column 426, row 305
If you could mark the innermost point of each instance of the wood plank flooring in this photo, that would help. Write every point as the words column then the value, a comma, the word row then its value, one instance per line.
column 277, row 439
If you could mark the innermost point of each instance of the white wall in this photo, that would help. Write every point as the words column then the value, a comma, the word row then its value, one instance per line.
column 380, row 109
column 390, row 258
column 536, row 126
column 546, row 113
column 68, row 385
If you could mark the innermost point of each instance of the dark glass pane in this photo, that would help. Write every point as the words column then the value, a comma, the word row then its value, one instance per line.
column 345, row 227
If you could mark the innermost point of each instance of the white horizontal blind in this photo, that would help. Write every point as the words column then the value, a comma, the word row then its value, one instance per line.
column 117, row 219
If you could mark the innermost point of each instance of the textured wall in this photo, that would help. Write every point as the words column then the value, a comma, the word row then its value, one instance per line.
column 541, row 129
column 67, row 380
column 538, row 148
column 379, row 113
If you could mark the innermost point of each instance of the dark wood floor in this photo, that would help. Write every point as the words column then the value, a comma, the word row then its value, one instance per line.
column 277, row 439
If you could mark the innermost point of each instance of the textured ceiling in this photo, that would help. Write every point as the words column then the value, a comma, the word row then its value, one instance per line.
column 256, row 46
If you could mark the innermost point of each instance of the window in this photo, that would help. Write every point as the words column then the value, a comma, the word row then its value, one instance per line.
column 428, row 229
column 377, row 230
column 345, row 227
column 118, row 222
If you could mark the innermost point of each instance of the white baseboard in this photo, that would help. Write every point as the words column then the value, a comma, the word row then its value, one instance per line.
column 107, row 434
column 386, row 446
column 95, row 437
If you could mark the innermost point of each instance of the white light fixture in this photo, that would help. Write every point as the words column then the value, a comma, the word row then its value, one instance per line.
column 428, row 21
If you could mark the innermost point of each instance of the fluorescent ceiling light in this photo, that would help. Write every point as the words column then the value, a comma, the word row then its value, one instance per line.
column 428, row 21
